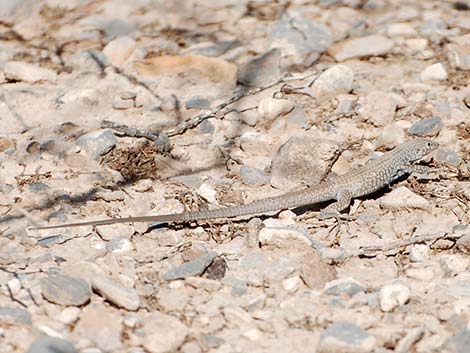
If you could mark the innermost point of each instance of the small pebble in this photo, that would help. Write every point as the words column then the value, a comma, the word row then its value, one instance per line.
column 419, row 253
column 378, row 108
column 120, row 230
column 331, row 255
column 132, row 321
column 344, row 336
column 163, row 341
column 392, row 296
column 335, row 80
column 435, row 72
column 426, row 127
column 119, row 245
column 116, row 293
column 291, row 284
column 13, row 287
column 348, row 286
column 401, row 30
column 65, row 290
column 271, row 108
column 97, row 143
column 191, row 268
column 118, row 50
column 373, row 45
column 69, row 315
column 282, row 236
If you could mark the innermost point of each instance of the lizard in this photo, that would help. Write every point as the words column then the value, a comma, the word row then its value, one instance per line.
column 358, row 182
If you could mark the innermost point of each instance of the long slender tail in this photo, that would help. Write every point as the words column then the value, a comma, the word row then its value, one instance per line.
column 270, row 204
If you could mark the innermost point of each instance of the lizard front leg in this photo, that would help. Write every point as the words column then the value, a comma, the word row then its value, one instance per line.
column 420, row 171
column 343, row 200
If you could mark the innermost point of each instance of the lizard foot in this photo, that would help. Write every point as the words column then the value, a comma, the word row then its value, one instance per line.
column 324, row 214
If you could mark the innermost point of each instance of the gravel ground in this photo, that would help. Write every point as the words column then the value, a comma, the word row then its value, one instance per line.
column 114, row 108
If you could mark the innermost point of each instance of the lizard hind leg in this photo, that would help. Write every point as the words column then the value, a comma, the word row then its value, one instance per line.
column 343, row 200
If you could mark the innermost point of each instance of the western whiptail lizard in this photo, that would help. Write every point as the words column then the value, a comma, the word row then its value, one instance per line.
column 343, row 188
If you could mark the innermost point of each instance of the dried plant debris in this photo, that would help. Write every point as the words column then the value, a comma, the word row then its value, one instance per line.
column 134, row 163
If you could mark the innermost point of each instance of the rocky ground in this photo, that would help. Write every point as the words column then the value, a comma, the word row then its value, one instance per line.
column 114, row 108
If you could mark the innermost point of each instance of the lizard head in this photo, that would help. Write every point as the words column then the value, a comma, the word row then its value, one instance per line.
column 420, row 147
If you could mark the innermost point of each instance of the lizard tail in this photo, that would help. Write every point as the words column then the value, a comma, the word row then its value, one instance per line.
column 292, row 200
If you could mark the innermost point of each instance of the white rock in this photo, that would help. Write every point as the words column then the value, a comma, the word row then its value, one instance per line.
column 292, row 284
column 132, row 321
column 102, row 326
column 401, row 30
column 97, row 143
column 331, row 255
column 163, row 333
column 253, row 140
column 435, row 72
column 282, row 236
column 403, row 197
column 391, row 135
column 303, row 157
column 110, row 231
column 89, row 95
column 417, row 44
column 252, row 334
column 208, row 192
column 393, row 295
column 13, row 287
column 373, row 45
column 454, row 264
column 419, row 253
column 118, row 50
column 69, row 315
column 271, row 108
column 119, row 245
column 23, row 71
column 124, row 297
column 337, row 79
column 378, row 107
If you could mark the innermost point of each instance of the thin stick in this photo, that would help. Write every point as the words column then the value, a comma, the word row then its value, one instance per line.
column 370, row 250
